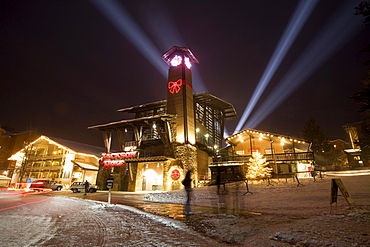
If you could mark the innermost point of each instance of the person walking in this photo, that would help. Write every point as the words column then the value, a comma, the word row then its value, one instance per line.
column 187, row 184
column 87, row 185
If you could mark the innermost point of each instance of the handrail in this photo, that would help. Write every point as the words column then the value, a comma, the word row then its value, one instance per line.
column 268, row 157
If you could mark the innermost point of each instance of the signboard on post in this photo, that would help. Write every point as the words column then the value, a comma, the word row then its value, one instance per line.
column 109, row 186
column 335, row 184
column 109, row 183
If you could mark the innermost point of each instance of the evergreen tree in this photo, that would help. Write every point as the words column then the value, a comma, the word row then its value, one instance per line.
column 257, row 167
column 363, row 97
column 313, row 133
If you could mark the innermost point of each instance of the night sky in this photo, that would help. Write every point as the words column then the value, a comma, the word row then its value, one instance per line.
column 65, row 66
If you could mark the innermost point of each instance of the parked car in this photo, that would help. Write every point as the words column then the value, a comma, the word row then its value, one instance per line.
column 80, row 186
column 39, row 185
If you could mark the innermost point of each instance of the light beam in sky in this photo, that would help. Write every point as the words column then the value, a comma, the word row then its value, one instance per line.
column 124, row 23
column 341, row 27
column 298, row 19
column 127, row 26
column 166, row 34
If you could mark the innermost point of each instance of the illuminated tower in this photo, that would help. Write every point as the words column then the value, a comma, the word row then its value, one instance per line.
column 180, row 92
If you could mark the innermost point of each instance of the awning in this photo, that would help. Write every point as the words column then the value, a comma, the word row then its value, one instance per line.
column 148, row 159
column 85, row 166
column 2, row 177
column 352, row 151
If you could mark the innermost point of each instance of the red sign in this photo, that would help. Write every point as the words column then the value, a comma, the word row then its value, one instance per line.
column 175, row 174
column 122, row 155
column 115, row 159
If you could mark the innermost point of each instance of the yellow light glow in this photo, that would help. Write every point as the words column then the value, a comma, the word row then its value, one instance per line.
column 58, row 145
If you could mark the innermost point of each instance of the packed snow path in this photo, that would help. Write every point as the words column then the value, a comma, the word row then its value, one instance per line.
column 62, row 221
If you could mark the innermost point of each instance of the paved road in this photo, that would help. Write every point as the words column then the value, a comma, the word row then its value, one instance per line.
column 44, row 220
column 135, row 199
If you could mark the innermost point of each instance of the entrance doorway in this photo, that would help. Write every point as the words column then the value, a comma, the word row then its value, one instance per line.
column 152, row 177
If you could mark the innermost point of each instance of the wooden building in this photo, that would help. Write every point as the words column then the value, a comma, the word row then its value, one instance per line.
column 165, row 139
column 59, row 160
column 286, row 155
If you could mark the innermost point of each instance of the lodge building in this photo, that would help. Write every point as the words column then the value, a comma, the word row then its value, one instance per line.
column 55, row 159
column 287, row 156
column 167, row 138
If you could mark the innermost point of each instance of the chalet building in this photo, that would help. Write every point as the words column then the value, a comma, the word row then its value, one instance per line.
column 337, row 155
column 355, row 156
column 55, row 159
column 165, row 139
column 286, row 155
column 11, row 143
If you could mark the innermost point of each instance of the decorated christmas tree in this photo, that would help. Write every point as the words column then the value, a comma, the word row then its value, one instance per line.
column 257, row 167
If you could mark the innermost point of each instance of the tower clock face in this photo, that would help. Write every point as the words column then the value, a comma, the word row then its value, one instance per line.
column 177, row 60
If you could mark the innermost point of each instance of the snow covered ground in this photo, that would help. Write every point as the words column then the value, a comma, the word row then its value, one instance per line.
column 280, row 214
column 283, row 214
column 66, row 221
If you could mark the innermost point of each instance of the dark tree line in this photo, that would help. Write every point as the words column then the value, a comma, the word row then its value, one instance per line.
column 363, row 97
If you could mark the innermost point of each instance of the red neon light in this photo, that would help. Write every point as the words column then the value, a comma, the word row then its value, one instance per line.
column 175, row 87
column 122, row 155
column 115, row 159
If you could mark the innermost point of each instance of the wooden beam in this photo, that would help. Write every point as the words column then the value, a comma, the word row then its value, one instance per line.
column 121, row 134
column 107, row 138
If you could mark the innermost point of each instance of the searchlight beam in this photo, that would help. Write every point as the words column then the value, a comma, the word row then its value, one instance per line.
column 298, row 19
column 342, row 26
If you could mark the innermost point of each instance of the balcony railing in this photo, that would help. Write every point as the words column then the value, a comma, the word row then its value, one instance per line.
column 268, row 157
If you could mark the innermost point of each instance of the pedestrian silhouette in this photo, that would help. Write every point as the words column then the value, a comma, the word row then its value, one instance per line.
column 187, row 184
column 87, row 185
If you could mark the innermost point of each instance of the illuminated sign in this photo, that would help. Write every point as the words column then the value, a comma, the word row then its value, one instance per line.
column 122, row 155
column 116, row 159
column 175, row 174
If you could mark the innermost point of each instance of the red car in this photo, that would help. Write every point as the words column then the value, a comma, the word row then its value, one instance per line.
column 40, row 185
